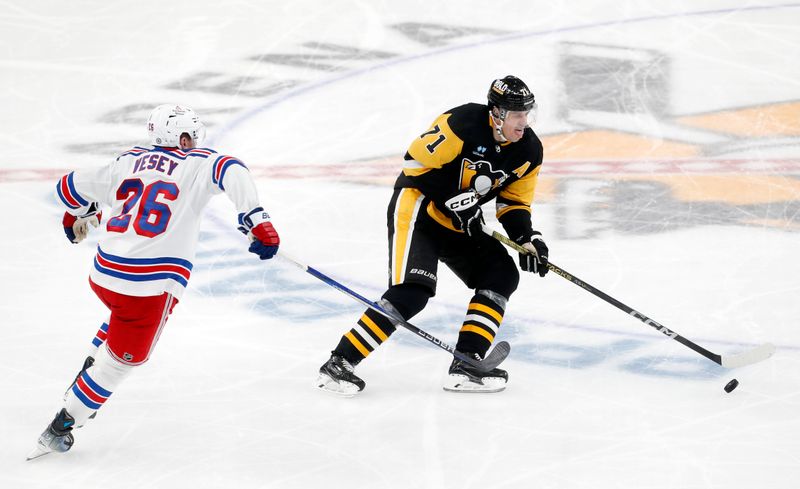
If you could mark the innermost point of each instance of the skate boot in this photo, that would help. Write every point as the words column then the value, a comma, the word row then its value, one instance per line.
column 57, row 436
column 336, row 376
column 463, row 377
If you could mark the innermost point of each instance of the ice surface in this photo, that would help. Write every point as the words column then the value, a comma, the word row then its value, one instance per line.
column 672, row 155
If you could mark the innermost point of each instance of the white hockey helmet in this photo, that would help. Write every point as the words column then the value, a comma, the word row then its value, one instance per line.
column 167, row 122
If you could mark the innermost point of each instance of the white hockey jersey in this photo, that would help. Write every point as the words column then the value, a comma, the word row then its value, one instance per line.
column 156, row 196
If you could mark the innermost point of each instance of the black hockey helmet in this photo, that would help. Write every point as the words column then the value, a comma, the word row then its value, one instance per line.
column 511, row 93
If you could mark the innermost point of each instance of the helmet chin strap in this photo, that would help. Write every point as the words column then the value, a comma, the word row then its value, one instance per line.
column 498, row 125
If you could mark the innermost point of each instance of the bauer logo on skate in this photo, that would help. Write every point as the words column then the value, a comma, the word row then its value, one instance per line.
column 143, row 269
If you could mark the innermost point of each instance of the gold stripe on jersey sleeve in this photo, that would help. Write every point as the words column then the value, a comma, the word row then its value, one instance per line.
column 523, row 189
column 435, row 147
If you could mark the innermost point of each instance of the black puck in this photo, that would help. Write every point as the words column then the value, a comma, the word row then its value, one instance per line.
column 731, row 385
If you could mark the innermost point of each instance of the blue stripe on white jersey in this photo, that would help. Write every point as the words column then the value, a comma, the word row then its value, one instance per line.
column 220, row 167
column 65, row 188
column 143, row 269
column 135, row 151
column 182, row 155
column 173, row 152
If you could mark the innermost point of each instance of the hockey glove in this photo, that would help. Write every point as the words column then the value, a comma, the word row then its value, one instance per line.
column 263, row 236
column 535, row 260
column 467, row 214
column 77, row 227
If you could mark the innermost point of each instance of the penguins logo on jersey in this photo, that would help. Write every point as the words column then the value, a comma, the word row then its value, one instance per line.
column 481, row 176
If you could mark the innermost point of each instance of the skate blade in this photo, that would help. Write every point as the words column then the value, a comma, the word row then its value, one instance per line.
column 37, row 452
column 461, row 383
column 342, row 389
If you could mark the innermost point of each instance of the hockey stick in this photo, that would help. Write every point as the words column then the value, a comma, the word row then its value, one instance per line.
column 757, row 354
column 492, row 360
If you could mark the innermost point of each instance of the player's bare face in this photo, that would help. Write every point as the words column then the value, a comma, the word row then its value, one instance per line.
column 514, row 125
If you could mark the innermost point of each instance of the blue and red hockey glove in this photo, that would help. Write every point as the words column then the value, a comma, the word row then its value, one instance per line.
column 77, row 227
column 257, row 226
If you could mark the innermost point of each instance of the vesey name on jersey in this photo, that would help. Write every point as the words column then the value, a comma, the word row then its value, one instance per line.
column 155, row 162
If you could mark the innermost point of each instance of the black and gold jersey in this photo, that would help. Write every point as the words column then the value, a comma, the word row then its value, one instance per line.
column 459, row 152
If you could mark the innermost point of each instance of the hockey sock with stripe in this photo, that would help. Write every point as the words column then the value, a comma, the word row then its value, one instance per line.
column 94, row 386
column 480, row 326
column 371, row 330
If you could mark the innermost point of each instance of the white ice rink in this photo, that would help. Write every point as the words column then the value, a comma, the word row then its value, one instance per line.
column 671, row 181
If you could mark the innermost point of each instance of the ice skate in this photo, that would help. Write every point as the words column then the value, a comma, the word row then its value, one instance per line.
column 462, row 377
column 336, row 376
column 56, row 438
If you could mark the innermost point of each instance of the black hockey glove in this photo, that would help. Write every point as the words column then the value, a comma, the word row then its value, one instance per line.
column 536, row 259
column 467, row 214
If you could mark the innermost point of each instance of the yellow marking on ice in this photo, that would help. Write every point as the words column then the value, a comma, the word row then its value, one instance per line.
column 731, row 189
column 766, row 120
column 610, row 145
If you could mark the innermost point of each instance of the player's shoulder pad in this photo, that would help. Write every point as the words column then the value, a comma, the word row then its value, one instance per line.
column 532, row 147
column 467, row 119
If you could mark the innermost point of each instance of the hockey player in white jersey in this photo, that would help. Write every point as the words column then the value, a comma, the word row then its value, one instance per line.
column 156, row 195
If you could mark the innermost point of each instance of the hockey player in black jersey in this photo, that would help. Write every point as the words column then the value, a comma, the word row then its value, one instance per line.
column 471, row 155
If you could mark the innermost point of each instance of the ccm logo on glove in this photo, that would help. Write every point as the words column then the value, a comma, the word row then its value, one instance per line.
column 462, row 201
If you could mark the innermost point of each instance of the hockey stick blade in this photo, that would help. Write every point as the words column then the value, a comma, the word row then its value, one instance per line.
column 495, row 357
column 731, row 361
column 748, row 357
